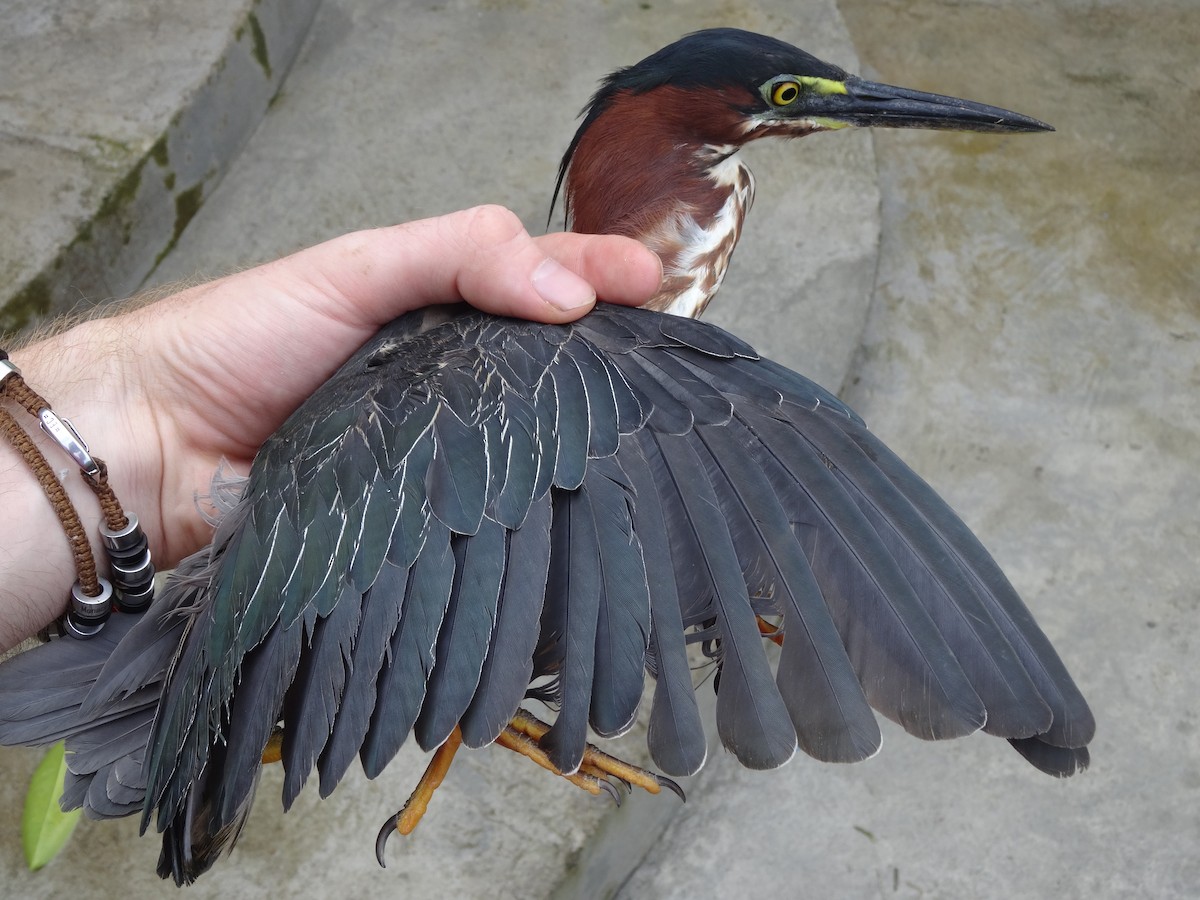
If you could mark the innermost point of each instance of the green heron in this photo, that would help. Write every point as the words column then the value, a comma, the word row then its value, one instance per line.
column 474, row 511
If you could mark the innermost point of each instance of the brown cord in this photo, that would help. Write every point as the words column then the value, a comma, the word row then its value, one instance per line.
column 81, row 549
column 114, row 516
column 92, row 597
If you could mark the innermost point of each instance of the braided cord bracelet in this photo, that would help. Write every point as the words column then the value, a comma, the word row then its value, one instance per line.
column 92, row 597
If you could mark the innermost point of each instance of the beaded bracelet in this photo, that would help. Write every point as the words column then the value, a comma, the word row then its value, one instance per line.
column 92, row 597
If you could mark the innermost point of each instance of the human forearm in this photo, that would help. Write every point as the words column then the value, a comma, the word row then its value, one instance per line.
column 71, row 371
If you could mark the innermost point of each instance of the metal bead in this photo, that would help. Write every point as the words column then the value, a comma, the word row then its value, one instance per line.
column 87, row 615
column 91, row 608
column 130, row 572
column 129, row 541
column 135, row 598
column 132, row 565
column 7, row 369
column 81, row 631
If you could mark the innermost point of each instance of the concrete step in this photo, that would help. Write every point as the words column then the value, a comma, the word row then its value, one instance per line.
column 117, row 120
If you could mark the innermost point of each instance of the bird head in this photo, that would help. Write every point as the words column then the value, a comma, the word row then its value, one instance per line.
column 656, row 157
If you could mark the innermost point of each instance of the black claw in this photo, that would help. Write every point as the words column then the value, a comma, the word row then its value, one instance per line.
column 388, row 829
column 671, row 786
column 611, row 789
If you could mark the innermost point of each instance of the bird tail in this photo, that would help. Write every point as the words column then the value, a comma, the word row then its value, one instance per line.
column 194, row 840
column 48, row 695
column 101, row 697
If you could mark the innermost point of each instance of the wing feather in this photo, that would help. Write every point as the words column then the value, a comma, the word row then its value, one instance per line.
column 509, row 664
column 676, row 736
column 623, row 626
column 816, row 679
column 402, row 682
column 1015, row 709
column 569, row 621
column 479, row 563
column 752, row 720
column 905, row 666
column 383, row 606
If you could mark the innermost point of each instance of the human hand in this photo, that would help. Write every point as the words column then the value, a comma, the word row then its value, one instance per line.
column 164, row 392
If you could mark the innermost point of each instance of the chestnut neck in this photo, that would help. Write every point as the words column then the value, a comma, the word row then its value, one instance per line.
column 656, row 167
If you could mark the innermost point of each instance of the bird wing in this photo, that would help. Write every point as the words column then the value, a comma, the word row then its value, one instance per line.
column 473, row 503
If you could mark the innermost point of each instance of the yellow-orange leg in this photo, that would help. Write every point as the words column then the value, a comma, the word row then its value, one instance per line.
column 769, row 631
column 414, row 808
column 273, row 752
column 525, row 730
column 522, row 736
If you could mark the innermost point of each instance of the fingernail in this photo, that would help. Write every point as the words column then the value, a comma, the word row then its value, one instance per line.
column 560, row 287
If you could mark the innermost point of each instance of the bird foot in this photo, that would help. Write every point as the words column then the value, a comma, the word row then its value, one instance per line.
column 771, row 632
column 525, row 731
column 409, row 815
column 598, row 773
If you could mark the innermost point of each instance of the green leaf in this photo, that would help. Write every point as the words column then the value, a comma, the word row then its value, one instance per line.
column 45, row 828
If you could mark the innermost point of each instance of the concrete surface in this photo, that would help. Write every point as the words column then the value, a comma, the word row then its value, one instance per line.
column 1031, row 344
column 116, row 120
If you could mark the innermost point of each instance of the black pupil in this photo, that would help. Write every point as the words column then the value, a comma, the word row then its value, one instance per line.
column 787, row 94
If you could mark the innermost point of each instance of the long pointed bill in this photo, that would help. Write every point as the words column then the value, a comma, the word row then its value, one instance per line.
column 866, row 103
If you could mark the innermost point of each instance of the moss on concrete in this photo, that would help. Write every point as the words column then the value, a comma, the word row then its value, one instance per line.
column 159, row 152
column 162, row 158
column 260, row 44
column 187, row 204
column 26, row 305
column 118, row 200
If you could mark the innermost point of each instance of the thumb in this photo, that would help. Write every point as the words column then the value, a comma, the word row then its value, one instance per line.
column 482, row 255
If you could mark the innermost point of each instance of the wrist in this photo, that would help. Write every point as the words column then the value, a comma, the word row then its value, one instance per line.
column 36, row 558
column 85, row 380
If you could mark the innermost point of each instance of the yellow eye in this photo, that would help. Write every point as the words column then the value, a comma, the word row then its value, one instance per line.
column 784, row 93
